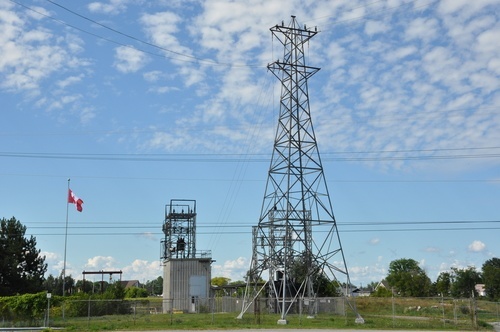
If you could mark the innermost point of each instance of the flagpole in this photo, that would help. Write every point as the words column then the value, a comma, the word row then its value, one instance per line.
column 65, row 246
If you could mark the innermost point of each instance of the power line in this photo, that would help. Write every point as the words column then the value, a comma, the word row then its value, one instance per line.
column 187, row 58
column 214, row 228
column 119, row 224
column 190, row 58
column 230, row 158
column 372, row 230
column 252, row 180
column 237, row 229
column 133, row 37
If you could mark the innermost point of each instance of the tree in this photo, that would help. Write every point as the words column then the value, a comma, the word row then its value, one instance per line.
column 85, row 286
column 220, row 282
column 408, row 278
column 135, row 292
column 55, row 285
column 155, row 287
column 491, row 278
column 443, row 284
column 239, row 286
column 381, row 292
column 372, row 286
column 22, row 268
column 465, row 281
column 115, row 291
column 323, row 286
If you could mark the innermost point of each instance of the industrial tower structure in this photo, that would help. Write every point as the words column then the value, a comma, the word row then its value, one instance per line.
column 186, row 270
column 296, row 242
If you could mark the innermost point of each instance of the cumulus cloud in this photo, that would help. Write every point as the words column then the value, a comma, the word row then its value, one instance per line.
column 143, row 270
column 101, row 263
column 232, row 269
column 477, row 246
column 374, row 272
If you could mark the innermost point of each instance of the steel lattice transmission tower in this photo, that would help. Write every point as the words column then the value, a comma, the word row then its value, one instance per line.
column 297, row 229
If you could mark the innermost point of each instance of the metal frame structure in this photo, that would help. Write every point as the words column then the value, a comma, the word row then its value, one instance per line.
column 102, row 273
column 297, row 228
column 180, row 230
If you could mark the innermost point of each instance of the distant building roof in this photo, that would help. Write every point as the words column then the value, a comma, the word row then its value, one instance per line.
column 130, row 283
column 383, row 284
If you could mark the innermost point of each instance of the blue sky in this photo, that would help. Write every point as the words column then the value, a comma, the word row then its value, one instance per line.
column 141, row 102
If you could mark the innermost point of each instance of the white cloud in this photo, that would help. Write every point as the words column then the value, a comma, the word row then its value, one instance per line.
column 477, row 246
column 232, row 269
column 86, row 114
column 69, row 81
column 113, row 7
column 129, row 60
column 487, row 41
column 142, row 270
column 162, row 28
column 101, row 263
column 153, row 76
column 149, row 236
column 422, row 28
column 32, row 54
column 401, row 53
column 464, row 7
column 375, row 272
column 374, row 27
column 374, row 241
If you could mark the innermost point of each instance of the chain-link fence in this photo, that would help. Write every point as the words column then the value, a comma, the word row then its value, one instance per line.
column 396, row 312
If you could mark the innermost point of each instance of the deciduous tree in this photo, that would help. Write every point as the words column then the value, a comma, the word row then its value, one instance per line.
column 443, row 284
column 155, row 287
column 491, row 278
column 408, row 278
column 465, row 280
column 220, row 282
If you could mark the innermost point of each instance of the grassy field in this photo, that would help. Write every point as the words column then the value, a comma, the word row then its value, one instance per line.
column 378, row 313
column 229, row 321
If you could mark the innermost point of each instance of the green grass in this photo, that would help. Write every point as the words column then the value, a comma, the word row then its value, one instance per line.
column 229, row 321
column 379, row 313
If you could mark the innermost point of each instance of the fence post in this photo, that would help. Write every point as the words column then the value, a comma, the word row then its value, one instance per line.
column 135, row 309
column 88, row 313
column 393, row 313
column 442, row 304
column 473, row 311
column 212, row 302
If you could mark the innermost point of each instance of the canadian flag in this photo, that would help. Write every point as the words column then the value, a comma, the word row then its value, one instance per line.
column 72, row 198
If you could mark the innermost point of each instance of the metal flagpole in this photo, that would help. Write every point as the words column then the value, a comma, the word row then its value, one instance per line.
column 65, row 245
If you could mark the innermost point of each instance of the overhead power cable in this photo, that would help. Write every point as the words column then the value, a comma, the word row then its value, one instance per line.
column 371, row 230
column 187, row 58
column 230, row 158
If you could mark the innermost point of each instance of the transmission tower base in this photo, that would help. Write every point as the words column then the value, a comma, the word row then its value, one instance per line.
column 359, row 320
column 282, row 322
